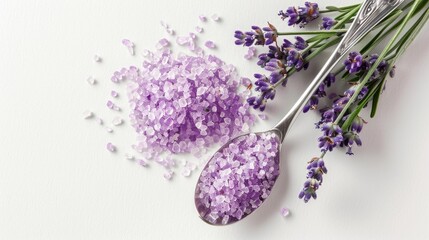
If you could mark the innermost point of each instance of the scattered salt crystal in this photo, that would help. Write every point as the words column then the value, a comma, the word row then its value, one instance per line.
column 251, row 52
column 91, row 80
column 263, row 116
column 199, row 29
column 100, row 121
column 146, row 53
column 210, row 44
column 129, row 156
column 186, row 172
column 112, row 106
column 215, row 17
column 203, row 18
column 97, row 58
column 191, row 166
column 130, row 45
column 109, row 130
column 87, row 114
column 163, row 43
column 142, row 163
column 168, row 175
column 117, row 121
column 114, row 94
column 111, row 147
column 182, row 41
column 284, row 212
column 167, row 28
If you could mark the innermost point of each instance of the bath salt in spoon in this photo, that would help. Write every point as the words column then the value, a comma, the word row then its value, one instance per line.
column 241, row 174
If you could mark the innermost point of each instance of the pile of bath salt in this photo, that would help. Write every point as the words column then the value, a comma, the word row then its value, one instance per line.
column 179, row 103
column 184, row 104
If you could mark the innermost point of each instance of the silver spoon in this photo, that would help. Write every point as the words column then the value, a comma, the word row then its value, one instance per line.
column 229, row 188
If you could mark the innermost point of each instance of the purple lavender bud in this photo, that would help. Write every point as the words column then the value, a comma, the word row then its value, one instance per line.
column 287, row 44
column 327, row 23
column 308, row 13
column 292, row 58
column 329, row 80
column 328, row 116
column 270, row 34
column 275, row 77
column 251, row 100
column 312, row 104
column 354, row 62
column 261, row 83
column 263, row 59
column 292, row 14
column 270, row 95
column 300, row 43
column 357, row 124
column 240, row 37
column 332, row 137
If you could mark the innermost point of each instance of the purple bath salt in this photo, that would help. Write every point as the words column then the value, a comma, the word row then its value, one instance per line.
column 284, row 212
column 114, row 94
column 210, row 44
column 110, row 147
column 130, row 45
column 238, row 178
column 202, row 18
column 185, row 103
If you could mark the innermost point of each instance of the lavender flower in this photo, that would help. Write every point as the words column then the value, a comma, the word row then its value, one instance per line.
column 354, row 62
column 315, row 170
column 312, row 104
column 351, row 137
column 270, row 34
column 256, row 36
column 267, row 92
column 300, row 15
column 300, row 43
column 332, row 137
column 327, row 23
column 309, row 12
column 292, row 14
column 319, row 93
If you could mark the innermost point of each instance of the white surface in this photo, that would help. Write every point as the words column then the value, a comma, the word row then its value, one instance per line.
column 57, row 181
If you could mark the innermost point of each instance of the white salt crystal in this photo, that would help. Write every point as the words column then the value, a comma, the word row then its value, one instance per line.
column 87, row 114
column 91, row 80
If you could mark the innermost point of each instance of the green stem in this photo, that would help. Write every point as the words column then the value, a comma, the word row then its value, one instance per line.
column 379, row 59
column 334, row 31
column 338, row 9
column 347, row 16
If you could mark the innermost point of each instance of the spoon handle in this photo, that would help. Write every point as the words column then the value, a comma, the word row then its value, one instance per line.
column 369, row 15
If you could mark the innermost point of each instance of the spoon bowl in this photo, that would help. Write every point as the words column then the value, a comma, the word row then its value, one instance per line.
column 238, row 178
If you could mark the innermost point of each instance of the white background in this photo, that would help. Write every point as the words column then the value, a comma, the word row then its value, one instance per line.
column 57, row 180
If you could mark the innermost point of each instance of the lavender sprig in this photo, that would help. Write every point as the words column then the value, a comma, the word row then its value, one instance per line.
column 365, row 72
